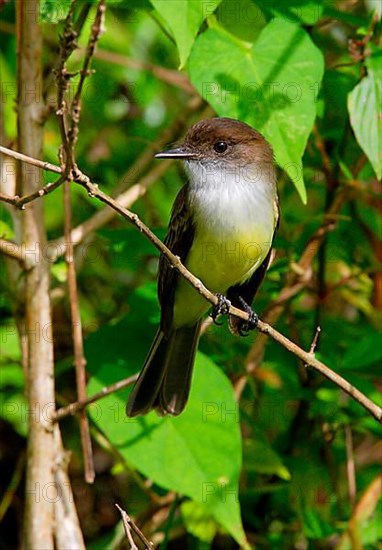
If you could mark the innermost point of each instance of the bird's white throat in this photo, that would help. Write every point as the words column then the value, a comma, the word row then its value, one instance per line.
column 233, row 200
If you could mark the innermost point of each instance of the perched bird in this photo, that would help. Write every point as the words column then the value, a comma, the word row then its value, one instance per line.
column 222, row 226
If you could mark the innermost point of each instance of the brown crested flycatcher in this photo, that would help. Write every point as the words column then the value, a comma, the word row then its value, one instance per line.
column 222, row 227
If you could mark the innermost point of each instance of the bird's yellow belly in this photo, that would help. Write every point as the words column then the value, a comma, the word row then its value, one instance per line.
column 219, row 262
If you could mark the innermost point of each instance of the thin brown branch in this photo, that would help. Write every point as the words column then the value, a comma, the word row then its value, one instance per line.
column 314, row 343
column 263, row 327
column 129, row 526
column 20, row 202
column 67, row 46
column 79, row 355
column 73, row 408
column 8, row 199
column 96, row 31
column 75, row 109
column 34, row 162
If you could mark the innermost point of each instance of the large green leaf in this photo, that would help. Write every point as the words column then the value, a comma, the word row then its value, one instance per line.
column 197, row 453
column 184, row 18
column 271, row 84
column 365, row 109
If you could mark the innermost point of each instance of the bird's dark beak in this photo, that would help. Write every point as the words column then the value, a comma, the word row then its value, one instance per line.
column 178, row 153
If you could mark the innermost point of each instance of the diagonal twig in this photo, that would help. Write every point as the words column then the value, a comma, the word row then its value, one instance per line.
column 20, row 202
column 77, row 406
column 129, row 526
column 263, row 327
column 34, row 162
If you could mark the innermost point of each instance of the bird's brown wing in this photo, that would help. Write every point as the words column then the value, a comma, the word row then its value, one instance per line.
column 179, row 240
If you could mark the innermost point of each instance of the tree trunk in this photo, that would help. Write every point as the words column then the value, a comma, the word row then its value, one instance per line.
column 40, row 487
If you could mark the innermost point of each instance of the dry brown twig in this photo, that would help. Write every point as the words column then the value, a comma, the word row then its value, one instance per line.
column 77, row 406
column 129, row 526
column 263, row 327
column 20, row 202
column 314, row 343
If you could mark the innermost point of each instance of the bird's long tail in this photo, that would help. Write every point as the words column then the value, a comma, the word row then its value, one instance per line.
column 164, row 383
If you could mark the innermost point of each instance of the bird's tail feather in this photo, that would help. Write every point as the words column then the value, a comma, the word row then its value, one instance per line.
column 165, row 380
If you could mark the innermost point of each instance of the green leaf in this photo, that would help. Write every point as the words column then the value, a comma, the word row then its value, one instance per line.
column 260, row 457
column 365, row 110
column 184, row 18
column 271, row 84
column 197, row 454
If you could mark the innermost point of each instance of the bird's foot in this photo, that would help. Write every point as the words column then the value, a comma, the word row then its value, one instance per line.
column 253, row 319
column 221, row 308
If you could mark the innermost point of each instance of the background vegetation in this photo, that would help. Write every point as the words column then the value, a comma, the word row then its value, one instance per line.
column 267, row 452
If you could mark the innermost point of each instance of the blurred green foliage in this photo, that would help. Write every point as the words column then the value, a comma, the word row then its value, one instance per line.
column 273, row 468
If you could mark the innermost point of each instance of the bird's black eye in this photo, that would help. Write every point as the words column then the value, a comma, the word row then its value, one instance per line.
column 220, row 146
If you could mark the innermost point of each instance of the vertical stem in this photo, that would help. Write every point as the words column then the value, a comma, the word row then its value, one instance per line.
column 79, row 356
column 38, row 522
